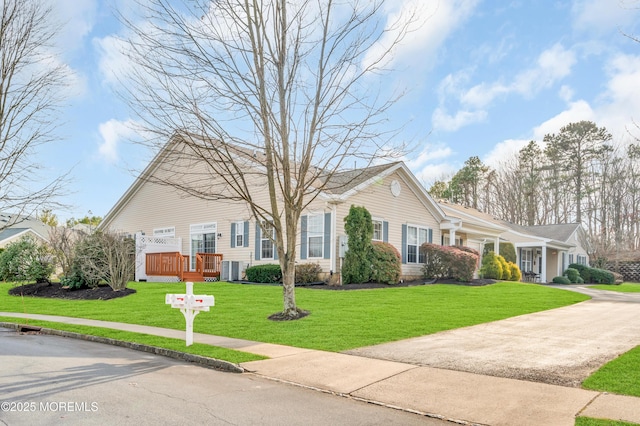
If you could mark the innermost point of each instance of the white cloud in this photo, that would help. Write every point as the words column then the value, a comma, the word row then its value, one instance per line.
column 434, row 21
column 112, row 133
column 551, row 66
column 428, row 154
column 602, row 16
column 430, row 173
column 442, row 120
column 77, row 18
column 113, row 64
column 503, row 150
column 576, row 111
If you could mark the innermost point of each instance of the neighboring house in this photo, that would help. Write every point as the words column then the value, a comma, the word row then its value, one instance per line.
column 166, row 220
column 15, row 227
column 544, row 250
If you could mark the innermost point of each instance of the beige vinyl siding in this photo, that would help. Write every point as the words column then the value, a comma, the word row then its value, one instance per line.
column 407, row 208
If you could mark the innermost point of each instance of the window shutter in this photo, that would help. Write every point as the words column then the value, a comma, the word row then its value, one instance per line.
column 233, row 234
column 327, row 235
column 258, row 245
column 385, row 231
column 245, row 240
column 430, row 235
column 404, row 243
column 303, row 237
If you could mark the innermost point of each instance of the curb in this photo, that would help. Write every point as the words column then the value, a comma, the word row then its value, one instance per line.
column 216, row 364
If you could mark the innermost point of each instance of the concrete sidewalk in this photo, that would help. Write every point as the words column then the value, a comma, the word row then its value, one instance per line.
column 452, row 395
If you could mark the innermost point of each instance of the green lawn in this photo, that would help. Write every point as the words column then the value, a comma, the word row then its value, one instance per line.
column 624, row 287
column 587, row 421
column 339, row 320
column 147, row 339
column 620, row 375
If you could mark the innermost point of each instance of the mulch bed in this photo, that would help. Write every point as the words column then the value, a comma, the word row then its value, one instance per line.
column 55, row 290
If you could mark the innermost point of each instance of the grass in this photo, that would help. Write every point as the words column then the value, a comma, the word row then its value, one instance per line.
column 146, row 339
column 339, row 320
column 620, row 375
column 624, row 287
column 588, row 421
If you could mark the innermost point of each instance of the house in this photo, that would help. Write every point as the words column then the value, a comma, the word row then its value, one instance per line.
column 166, row 220
column 544, row 251
column 16, row 226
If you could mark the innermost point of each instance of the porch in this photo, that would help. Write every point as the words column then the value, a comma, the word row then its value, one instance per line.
column 176, row 264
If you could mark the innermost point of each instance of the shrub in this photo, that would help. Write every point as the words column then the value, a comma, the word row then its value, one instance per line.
column 506, row 269
column 491, row 266
column 572, row 274
column 308, row 273
column 561, row 280
column 385, row 263
column 602, row 276
column 454, row 262
column 269, row 273
column 106, row 256
column 26, row 260
column 594, row 275
column 515, row 275
column 507, row 250
column 357, row 261
column 579, row 280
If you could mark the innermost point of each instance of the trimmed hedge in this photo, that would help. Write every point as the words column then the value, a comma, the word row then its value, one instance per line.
column 269, row 273
column 561, row 280
column 516, row 275
column 594, row 275
column 386, row 263
column 572, row 274
column 454, row 262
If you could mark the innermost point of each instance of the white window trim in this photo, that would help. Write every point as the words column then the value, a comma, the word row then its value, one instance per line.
column 262, row 238
column 315, row 235
column 168, row 231
column 381, row 221
column 201, row 229
column 418, row 228
column 239, row 233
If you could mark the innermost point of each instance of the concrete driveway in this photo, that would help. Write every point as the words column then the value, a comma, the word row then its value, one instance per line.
column 562, row 346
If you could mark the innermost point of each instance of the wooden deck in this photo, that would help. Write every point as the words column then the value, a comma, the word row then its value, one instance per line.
column 175, row 264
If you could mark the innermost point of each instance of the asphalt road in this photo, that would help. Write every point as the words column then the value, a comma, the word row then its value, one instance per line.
column 46, row 380
column 561, row 346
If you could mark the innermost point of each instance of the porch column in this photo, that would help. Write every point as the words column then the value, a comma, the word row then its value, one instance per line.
column 496, row 246
column 543, row 266
column 452, row 237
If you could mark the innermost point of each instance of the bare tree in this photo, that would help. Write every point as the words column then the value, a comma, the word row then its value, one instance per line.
column 31, row 83
column 62, row 241
column 288, row 86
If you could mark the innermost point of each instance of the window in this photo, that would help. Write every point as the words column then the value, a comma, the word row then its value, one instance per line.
column 266, row 240
column 527, row 260
column 239, row 237
column 570, row 259
column 315, row 235
column 203, row 240
column 416, row 236
column 377, row 230
column 169, row 231
column 582, row 260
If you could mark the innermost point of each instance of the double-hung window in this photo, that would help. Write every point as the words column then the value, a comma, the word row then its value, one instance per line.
column 315, row 235
column 378, row 230
column 239, row 237
column 266, row 240
column 416, row 236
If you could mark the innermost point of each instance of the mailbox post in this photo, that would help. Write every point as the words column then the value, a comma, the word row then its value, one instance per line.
column 190, row 305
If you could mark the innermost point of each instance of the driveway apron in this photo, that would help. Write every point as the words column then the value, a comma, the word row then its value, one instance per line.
column 561, row 346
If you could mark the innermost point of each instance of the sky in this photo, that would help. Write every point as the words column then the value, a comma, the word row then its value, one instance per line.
column 481, row 78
